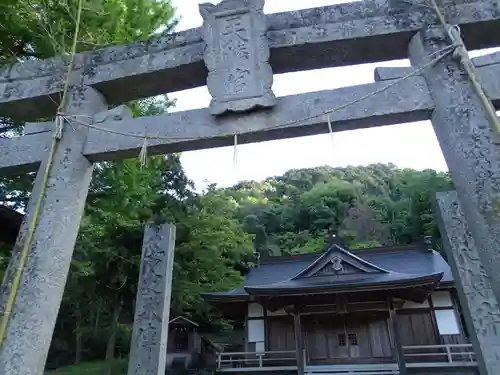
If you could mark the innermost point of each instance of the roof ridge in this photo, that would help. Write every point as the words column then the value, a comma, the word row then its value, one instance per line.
column 289, row 258
column 357, row 252
column 389, row 249
column 182, row 317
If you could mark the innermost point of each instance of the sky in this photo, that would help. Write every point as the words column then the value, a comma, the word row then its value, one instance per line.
column 411, row 145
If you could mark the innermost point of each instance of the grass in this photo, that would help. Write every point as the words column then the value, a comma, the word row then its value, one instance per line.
column 91, row 368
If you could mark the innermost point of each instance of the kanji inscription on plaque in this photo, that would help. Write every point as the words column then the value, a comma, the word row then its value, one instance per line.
column 236, row 54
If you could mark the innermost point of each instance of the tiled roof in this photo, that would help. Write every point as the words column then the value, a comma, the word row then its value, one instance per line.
column 413, row 263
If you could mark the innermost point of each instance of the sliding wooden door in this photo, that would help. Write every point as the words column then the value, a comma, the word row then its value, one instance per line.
column 352, row 338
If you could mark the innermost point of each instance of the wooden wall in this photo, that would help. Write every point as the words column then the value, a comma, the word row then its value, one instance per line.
column 357, row 336
column 417, row 327
column 334, row 338
column 434, row 322
column 352, row 337
column 280, row 333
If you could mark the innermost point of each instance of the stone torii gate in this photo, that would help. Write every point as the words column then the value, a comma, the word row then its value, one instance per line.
column 236, row 53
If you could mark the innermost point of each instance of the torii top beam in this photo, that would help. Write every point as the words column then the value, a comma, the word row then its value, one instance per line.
column 408, row 100
column 336, row 35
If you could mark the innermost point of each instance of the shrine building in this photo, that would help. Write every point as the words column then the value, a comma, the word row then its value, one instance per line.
column 377, row 311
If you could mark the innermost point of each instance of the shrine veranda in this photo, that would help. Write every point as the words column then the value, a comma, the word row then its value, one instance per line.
column 236, row 52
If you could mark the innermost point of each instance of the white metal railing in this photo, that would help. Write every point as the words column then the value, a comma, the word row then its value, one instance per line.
column 358, row 369
column 451, row 354
column 257, row 359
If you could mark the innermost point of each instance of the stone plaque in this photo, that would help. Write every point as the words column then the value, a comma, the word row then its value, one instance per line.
column 236, row 54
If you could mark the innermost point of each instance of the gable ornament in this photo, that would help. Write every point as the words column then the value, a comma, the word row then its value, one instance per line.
column 337, row 265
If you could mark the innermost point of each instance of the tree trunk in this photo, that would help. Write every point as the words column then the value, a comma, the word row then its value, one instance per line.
column 78, row 333
column 97, row 317
column 110, row 347
column 79, row 341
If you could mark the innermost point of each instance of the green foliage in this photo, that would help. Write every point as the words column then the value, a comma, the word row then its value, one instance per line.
column 34, row 29
column 367, row 206
column 311, row 245
column 92, row 368
column 213, row 250
column 44, row 28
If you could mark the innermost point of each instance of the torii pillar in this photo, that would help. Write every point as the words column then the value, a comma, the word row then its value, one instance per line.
column 479, row 306
column 466, row 136
column 29, row 332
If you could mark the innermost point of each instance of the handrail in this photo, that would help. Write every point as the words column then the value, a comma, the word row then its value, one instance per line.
column 257, row 353
column 455, row 354
column 448, row 352
column 259, row 357
column 438, row 346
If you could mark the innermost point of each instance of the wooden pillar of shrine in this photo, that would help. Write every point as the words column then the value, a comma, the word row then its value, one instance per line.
column 299, row 342
column 397, row 347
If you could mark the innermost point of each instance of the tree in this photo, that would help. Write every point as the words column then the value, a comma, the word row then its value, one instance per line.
column 44, row 28
column 363, row 226
column 367, row 206
column 212, row 251
column 35, row 29
column 98, row 306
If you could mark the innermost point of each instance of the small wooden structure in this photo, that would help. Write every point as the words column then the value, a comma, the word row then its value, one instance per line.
column 187, row 348
column 377, row 311
column 10, row 222
column 184, row 343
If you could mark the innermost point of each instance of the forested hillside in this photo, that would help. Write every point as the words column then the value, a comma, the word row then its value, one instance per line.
column 366, row 206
